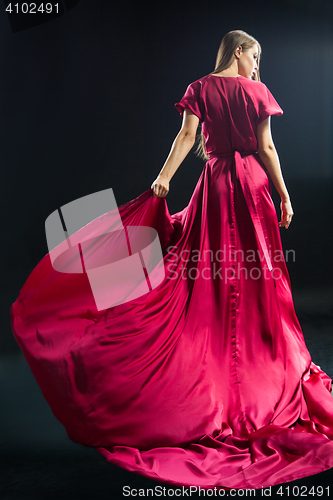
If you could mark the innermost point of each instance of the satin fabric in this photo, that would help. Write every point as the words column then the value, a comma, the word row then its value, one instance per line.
column 206, row 380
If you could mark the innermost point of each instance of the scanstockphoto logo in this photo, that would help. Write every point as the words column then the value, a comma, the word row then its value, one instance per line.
column 87, row 236
column 227, row 263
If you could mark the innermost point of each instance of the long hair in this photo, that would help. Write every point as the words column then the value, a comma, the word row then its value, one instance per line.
column 224, row 59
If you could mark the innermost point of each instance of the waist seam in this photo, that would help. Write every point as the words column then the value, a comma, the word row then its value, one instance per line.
column 232, row 153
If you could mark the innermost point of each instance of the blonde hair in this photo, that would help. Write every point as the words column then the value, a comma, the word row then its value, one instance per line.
column 224, row 59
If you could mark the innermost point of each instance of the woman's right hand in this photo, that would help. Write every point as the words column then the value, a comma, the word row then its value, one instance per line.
column 286, row 213
column 160, row 187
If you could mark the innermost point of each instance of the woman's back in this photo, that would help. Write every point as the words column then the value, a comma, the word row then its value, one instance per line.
column 229, row 108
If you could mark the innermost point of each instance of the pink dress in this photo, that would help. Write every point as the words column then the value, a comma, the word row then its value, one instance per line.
column 206, row 379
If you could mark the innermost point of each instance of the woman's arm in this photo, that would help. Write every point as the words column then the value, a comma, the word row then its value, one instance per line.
column 180, row 148
column 270, row 159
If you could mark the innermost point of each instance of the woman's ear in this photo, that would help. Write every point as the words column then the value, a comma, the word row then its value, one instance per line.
column 238, row 51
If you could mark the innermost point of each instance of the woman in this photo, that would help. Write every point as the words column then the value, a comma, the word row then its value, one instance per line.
column 231, row 62
column 205, row 380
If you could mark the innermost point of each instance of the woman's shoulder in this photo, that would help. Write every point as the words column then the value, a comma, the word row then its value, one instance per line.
column 262, row 98
column 255, row 86
column 256, row 89
column 199, row 83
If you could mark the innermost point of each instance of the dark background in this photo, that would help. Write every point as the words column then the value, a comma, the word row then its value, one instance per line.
column 87, row 103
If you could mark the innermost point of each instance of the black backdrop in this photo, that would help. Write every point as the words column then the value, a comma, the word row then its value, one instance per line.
column 87, row 103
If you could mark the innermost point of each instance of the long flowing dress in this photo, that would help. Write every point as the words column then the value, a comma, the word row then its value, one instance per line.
column 204, row 379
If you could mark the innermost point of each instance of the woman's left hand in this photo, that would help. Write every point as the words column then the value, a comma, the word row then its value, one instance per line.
column 286, row 213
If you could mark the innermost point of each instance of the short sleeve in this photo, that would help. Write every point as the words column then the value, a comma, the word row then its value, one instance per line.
column 191, row 101
column 266, row 104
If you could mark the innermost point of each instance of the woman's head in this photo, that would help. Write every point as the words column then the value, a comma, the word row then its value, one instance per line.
column 243, row 52
column 238, row 47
